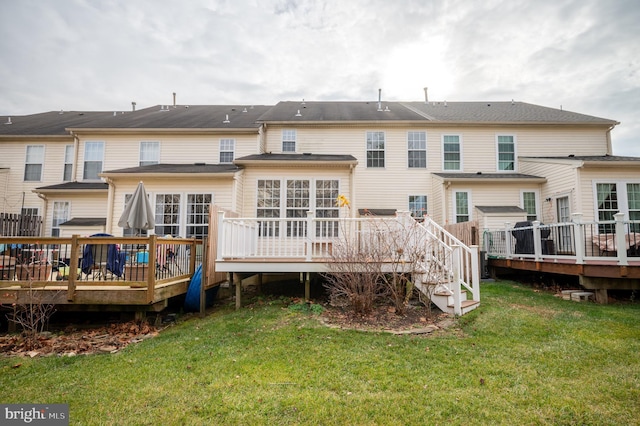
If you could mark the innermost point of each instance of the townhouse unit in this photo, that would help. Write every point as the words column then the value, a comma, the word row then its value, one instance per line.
column 453, row 161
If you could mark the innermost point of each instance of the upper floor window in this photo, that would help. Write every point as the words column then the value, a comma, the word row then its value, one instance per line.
column 375, row 149
column 529, row 205
column 227, row 150
column 67, row 175
column 418, row 205
column 93, row 159
column 149, row 153
column 417, row 149
column 451, row 152
column 33, row 163
column 506, row 152
column 288, row 141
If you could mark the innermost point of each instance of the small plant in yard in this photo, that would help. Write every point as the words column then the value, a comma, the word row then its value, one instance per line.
column 306, row 307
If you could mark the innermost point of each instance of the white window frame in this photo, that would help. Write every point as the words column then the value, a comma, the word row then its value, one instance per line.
column 56, row 217
column 34, row 159
column 197, row 214
column 411, row 148
column 372, row 147
column 67, row 171
column 536, row 201
column 414, row 212
column 175, row 217
column 460, row 165
column 289, row 140
column 227, row 146
column 515, row 153
column 455, row 205
column 149, row 153
column 93, row 156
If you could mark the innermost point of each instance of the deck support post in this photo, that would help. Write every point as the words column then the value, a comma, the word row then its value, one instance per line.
column 620, row 237
column 578, row 232
column 73, row 269
column 307, row 286
column 259, row 282
column 238, row 283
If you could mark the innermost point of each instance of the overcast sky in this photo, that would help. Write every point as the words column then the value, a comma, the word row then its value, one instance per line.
column 583, row 55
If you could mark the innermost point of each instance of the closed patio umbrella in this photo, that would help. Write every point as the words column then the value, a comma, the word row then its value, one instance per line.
column 138, row 213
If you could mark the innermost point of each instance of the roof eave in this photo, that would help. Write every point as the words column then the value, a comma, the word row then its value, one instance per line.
column 307, row 163
column 181, row 175
column 195, row 131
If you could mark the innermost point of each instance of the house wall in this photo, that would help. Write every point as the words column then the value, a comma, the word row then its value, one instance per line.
column 80, row 205
column 13, row 156
column 221, row 188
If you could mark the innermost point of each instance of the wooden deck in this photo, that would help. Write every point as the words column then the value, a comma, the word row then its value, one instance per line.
column 111, row 273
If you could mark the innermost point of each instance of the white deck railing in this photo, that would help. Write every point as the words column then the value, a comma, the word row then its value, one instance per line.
column 314, row 239
column 574, row 241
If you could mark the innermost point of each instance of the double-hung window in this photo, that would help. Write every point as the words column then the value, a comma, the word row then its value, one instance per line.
column 60, row 215
column 227, row 150
column 529, row 205
column 417, row 150
column 506, row 153
column 451, row 152
column 33, row 163
column 462, row 207
column 93, row 159
column 198, row 215
column 167, row 214
column 68, row 163
column 289, row 140
column 297, row 207
column 607, row 196
column 268, row 207
column 375, row 149
column 327, row 192
column 633, row 201
column 149, row 153
column 418, row 206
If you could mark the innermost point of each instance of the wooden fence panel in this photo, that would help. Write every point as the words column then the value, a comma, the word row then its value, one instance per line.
column 17, row 225
column 214, row 277
column 467, row 232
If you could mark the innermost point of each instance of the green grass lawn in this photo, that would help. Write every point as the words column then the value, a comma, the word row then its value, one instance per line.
column 523, row 357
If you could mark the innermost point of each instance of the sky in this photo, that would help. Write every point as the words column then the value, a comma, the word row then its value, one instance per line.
column 101, row 55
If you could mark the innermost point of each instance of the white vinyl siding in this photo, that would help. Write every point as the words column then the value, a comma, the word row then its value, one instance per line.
column 227, row 150
column 417, row 150
column 375, row 149
column 288, row 140
column 93, row 160
column 451, row 153
column 34, row 163
column 506, row 151
column 149, row 153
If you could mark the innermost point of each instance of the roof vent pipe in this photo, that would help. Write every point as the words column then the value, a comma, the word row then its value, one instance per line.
column 426, row 95
column 379, row 99
column 226, row 118
column 8, row 121
column 133, row 106
column 174, row 99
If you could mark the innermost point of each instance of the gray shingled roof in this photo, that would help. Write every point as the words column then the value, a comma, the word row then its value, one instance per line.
column 48, row 123
column 297, row 157
column 485, row 176
column 76, row 186
column 85, row 221
column 185, row 117
column 338, row 111
column 592, row 158
column 436, row 112
column 178, row 168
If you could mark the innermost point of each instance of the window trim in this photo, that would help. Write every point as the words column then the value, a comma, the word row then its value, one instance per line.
column 460, row 151
column 289, row 133
column 536, row 201
column 70, row 148
column 455, row 205
column 418, row 150
column 515, row 153
column 426, row 206
column 147, row 161
column 84, row 161
column 383, row 150
column 27, row 163
column 53, row 215
column 221, row 151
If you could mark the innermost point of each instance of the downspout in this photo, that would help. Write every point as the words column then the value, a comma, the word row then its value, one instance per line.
column 262, row 130
column 445, row 188
column 76, row 149
column 45, row 203
column 110, row 198
column 609, row 145
column 352, row 192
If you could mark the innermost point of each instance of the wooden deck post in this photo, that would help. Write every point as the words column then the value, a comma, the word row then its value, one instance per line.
column 507, row 240
column 151, row 276
column 73, row 269
column 204, row 277
column 238, row 283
